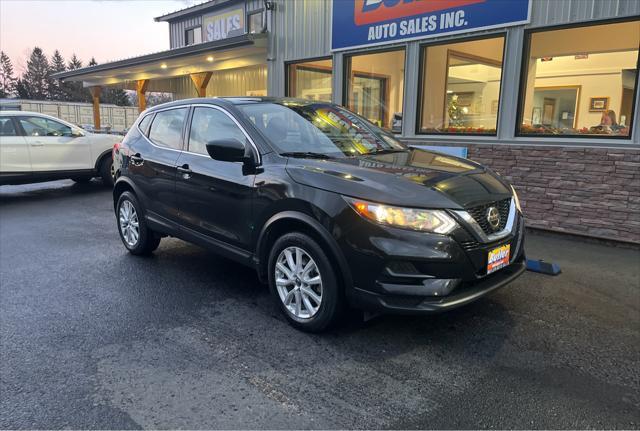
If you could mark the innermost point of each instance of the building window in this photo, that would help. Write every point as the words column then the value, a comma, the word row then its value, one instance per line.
column 580, row 81
column 310, row 80
column 460, row 85
column 374, row 87
column 193, row 36
column 255, row 22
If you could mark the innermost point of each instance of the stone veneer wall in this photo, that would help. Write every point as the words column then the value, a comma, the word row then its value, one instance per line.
column 584, row 191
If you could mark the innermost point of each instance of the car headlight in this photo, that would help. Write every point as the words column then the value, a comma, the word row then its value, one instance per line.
column 515, row 198
column 436, row 221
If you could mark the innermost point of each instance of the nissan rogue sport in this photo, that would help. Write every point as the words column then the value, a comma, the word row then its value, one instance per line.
column 329, row 209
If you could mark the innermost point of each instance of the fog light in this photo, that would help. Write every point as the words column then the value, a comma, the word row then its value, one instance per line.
column 440, row 286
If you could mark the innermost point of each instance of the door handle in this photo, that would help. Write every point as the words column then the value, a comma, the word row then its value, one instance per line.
column 137, row 160
column 37, row 144
column 185, row 171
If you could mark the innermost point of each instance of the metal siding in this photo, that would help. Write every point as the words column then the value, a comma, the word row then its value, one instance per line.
column 553, row 12
column 177, row 28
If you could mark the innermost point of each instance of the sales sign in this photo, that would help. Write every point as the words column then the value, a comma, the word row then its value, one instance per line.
column 223, row 24
column 360, row 23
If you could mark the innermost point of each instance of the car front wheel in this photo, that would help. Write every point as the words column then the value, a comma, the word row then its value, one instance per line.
column 304, row 283
column 134, row 233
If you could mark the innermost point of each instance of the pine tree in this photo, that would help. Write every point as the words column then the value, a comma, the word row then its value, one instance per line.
column 7, row 80
column 22, row 90
column 117, row 96
column 56, row 89
column 74, row 91
column 74, row 63
column 36, row 78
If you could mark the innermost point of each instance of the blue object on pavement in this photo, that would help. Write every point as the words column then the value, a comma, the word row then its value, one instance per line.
column 543, row 267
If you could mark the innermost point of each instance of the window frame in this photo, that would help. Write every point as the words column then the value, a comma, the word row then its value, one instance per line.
column 248, row 19
column 186, row 118
column 151, row 116
column 17, row 128
column 526, row 49
column 346, row 77
column 192, row 28
column 187, row 131
column 422, row 49
column 288, row 64
column 18, row 121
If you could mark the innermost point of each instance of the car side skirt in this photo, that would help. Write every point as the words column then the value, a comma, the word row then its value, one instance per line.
column 165, row 226
column 16, row 178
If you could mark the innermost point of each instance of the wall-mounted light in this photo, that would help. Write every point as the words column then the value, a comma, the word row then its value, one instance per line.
column 210, row 59
column 163, row 65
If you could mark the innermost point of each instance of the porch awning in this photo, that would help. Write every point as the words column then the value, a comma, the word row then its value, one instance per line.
column 240, row 51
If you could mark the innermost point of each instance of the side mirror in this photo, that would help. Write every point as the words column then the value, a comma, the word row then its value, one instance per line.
column 76, row 133
column 227, row 150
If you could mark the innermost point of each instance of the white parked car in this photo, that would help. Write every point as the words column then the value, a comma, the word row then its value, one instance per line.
column 35, row 147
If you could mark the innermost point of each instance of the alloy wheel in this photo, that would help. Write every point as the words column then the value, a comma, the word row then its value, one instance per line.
column 128, row 221
column 298, row 282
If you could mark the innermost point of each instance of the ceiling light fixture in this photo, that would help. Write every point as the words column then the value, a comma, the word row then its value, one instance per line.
column 163, row 65
column 210, row 58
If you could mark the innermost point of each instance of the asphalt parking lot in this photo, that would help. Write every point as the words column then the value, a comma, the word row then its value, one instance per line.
column 92, row 337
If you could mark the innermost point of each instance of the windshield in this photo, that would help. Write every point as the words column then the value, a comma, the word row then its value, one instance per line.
column 295, row 128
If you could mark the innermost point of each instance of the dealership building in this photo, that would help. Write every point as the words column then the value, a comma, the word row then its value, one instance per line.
column 542, row 91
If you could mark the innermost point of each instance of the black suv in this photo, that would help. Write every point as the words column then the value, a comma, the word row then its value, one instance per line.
column 328, row 208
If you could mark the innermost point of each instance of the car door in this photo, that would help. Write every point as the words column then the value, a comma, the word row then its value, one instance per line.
column 214, row 197
column 152, row 161
column 53, row 147
column 14, row 151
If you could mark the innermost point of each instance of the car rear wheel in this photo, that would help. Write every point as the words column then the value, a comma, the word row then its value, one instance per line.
column 134, row 233
column 303, row 282
column 106, row 171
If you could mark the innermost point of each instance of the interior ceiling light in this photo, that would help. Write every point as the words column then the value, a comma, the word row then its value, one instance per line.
column 210, row 58
column 163, row 65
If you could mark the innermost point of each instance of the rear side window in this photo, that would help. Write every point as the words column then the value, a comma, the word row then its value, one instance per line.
column 166, row 129
column 7, row 127
column 144, row 124
column 209, row 124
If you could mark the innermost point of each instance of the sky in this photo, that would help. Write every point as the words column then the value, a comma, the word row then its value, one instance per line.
column 104, row 29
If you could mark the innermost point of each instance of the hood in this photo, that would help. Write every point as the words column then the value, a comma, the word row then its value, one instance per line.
column 417, row 178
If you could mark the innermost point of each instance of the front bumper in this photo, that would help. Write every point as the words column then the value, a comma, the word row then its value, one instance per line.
column 408, row 304
column 402, row 271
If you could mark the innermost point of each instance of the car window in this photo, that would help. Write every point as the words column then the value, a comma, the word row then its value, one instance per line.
column 7, row 127
column 166, row 129
column 39, row 126
column 144, row 123
column 209, row 124
column 319, row 128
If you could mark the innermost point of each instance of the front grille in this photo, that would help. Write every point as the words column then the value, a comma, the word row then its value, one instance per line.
column 469, row 245
column 479, row 213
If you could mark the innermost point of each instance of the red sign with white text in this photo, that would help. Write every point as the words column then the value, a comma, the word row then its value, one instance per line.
column 372, row 11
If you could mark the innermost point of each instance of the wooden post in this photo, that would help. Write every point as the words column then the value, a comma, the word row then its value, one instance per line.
column 141, row 89
column 201, row 80
column 95, row 95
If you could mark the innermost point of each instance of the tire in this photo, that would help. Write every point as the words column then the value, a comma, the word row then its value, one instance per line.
column 329, row 309
column 147, row 240
column 105, row 171
column 81, row 180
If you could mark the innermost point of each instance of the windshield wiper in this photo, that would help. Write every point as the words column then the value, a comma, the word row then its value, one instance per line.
column 385, row 151
column 306, row 155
